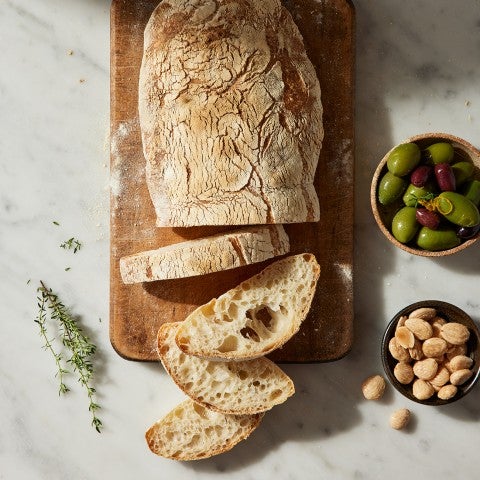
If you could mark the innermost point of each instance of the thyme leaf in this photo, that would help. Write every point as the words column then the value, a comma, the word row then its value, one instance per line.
column 71, row 244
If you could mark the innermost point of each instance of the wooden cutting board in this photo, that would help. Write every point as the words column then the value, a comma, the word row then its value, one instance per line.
column 136, row 311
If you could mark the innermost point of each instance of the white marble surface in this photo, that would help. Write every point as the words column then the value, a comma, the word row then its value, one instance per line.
column 418, row 70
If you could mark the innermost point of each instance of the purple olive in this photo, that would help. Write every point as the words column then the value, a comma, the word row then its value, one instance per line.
column 468, row 232
column 427, row 218
column 420, row 175
column 445, row 177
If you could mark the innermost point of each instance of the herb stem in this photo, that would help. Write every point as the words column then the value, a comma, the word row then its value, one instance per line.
column 74, row 340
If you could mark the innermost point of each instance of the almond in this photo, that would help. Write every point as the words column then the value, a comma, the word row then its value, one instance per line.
column 441, row 378
column 416, row 352
column 397, row 351
column 420, row 328
column 405, row 337
column 460, row 362
column 426, row 313
column 422, row 389
column 455, row 333
column 400, row 322
column 373, row 387
column 425, row 369
column 459, row 377
column 400, row 418
column 455, row 350
column 434, row 347
column 403, row 373
column 447, row 392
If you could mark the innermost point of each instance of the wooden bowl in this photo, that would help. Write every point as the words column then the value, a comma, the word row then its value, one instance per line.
column 450, row 313
column 384, row 214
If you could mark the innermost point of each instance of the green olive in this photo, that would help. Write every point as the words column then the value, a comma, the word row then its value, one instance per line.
column 390, row 188
column 441, row 152
column 458, row 209
column 462, row 171
column 405, row 225
column 403, row 159
column 471, row 190
column 412, row 193
column 440, row 239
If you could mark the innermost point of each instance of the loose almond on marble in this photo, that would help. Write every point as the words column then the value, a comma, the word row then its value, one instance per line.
column 420, row 328
column 373, row 387
column 455, row 333
column 400, row 418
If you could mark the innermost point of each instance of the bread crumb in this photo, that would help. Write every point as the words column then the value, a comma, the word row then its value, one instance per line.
column 82, row 80
column 70, row 52
column 467, row 103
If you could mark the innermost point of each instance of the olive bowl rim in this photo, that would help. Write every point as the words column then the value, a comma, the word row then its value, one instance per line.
column 472, row 152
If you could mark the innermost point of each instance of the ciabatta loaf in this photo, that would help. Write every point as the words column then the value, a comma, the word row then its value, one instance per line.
column 256, row 317
column 230, row 114
column 192, row 432
column 247, row 387
column 206, row 255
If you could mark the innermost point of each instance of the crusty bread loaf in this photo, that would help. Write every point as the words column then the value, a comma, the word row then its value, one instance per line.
column 210, row 254
column 230, row 114
column 247, row 387
column 257, row 316
column 192, row 432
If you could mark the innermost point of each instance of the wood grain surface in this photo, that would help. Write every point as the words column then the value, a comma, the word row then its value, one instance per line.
column 136, row 311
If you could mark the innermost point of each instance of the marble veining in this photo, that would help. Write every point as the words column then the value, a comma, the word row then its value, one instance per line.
column 418, row 70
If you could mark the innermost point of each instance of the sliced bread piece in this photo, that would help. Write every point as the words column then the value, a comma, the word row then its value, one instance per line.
column 247, row 387
column 191, row 432
column 257, row 316
column 206, row 255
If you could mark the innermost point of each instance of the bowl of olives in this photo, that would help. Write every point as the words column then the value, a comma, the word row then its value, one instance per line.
column 425, row 195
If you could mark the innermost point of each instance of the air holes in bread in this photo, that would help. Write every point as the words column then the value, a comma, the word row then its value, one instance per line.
column 229, row 344
column 265, row 317
column 250, row 333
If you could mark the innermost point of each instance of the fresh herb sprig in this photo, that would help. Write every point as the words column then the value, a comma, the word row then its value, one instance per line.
column 72, row 337
column 71, row 244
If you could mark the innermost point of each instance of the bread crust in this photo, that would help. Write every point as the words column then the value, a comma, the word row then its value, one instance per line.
column 252, row 399
column 206, row 255
column 155, row 435
column 230, row 114
column 230, row 328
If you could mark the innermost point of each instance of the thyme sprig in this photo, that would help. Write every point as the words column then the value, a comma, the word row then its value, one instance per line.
column 71, row 244
column 41, row 319
column 72, row 337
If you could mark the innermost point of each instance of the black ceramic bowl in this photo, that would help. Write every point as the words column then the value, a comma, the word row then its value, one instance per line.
column 451, row 313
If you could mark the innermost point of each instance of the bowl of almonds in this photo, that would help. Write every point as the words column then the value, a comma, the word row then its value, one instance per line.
column 431, row 352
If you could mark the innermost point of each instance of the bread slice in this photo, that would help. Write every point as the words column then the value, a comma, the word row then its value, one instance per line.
column 191, row 432
column 247, row 387
column 257, row 316
column 206, row 255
